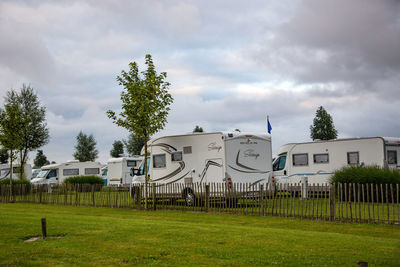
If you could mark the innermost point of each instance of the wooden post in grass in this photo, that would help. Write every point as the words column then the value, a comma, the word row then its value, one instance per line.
column 261, row 198
column 44, row 230
column 332, row 202
column 154, row 196
column 207, row 202
column 93, row 201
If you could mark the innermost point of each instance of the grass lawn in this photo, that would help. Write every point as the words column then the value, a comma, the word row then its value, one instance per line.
column 103, row 236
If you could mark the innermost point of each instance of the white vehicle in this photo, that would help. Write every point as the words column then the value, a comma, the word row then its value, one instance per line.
column 57, row 173
column 35, row 172
column 5, row 171
column 320, row 159
column 120, row 170
column 209, row 157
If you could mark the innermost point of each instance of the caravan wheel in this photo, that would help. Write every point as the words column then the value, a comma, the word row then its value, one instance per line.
column 190, row 198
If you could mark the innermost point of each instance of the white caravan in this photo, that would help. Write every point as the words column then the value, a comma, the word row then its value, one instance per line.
column 57, row 173
column 320, row 159
column 120, row 170
column 209, row 157
column 5, row 171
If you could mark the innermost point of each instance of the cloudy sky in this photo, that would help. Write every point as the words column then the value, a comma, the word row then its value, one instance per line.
column 230, row 64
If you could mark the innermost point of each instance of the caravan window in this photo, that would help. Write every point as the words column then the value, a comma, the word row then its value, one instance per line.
column 159, row 161
column 300, row 159
column 52, row 173
column 321, row 158
column 92, row 170
column 279, row 163
column 187, row 150
column 176, row 156
column 353, row 158
column 67, row 172
column 131, row 163
column 392, row 156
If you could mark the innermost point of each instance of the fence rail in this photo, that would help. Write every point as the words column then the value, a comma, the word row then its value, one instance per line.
column 364, row 203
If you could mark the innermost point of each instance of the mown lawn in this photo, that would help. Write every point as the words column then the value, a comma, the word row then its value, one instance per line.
column 103, row 236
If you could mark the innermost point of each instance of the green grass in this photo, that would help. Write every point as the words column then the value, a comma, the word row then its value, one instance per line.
column 103, row 236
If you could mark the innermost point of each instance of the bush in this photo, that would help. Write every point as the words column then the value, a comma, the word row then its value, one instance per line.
column 84, row 180
column 364, row 175
column 7, row 181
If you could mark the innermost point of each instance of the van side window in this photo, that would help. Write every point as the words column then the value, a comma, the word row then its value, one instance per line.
column 92, row 170
column 159, row 161
column 279, row 164
column 353, row 158
column 300, row 159
column 131, row 163
column 321, row 158
column 52, row 173
column 176, row 156
column 392, row 156
column 67, row 172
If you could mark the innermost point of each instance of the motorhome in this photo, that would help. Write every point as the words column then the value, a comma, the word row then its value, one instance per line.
column 5, row 171
column 320, row 159
column 233, row 157
column 120, row 170
column 57, row 173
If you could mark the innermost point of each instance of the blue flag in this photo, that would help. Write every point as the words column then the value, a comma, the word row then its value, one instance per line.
column 269, row 125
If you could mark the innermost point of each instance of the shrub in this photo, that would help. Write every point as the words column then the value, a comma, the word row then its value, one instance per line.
column 364, row 175
column 7, row 181
column 84, row 180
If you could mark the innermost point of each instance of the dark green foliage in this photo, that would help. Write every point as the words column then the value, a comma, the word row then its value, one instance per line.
column 366, row 174
column 19, row 181
column 134, row 145
column 85, row 149
column 117, row 150
column 40, row 159
column 323, row 127
column 84, row 180
column 198, row 129
column 4, row 156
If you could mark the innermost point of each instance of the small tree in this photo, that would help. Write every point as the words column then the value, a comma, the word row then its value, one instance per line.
column 40, row 159
column 117, row 150
column 11, row 133
column 134, row 144
column 145, row 100
column 3, row 156
column 85, row 149
column 198, row 129
column 323, row 127
column 34, row 127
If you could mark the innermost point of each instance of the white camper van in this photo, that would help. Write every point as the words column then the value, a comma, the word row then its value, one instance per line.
column 57, row 173
column 209, row 157
column 320, row 159
column 5, row 171
column 120, row 170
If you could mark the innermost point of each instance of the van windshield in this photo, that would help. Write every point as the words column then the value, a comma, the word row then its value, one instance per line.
column 279, row 163
column 141, row 168
column 42, row 174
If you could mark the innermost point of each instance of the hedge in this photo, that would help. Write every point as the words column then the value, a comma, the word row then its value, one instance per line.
column 366, row 174
column 84, row 180
column 7, row 181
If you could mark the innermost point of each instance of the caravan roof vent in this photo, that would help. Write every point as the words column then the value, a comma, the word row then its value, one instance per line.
column 72, row 161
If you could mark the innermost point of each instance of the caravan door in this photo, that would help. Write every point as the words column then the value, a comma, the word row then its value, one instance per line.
column 213, row 171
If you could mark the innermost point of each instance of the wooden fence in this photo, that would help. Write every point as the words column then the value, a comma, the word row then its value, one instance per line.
column 364, row 203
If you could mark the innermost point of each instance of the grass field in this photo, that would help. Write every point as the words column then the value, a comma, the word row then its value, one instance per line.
column 103, row 236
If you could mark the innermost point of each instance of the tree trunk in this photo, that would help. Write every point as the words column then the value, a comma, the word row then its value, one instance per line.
column 23, row 155
column 11, row 173
column 145, row 173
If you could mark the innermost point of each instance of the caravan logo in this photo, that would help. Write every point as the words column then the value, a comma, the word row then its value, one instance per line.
column 251, row 153
column 249, row 142
column 214, row 146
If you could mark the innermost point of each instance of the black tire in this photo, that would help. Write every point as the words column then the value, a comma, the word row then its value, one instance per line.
column 190, row 198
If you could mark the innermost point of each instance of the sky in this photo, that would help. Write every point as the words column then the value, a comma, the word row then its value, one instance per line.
column 230, row 64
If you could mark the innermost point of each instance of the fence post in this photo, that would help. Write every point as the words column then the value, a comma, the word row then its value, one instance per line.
column 207, row 197
column 261, row 198
column 154, row 196
column 94, row 204
column 44, row 229
column 332, row 206
column 304, row 181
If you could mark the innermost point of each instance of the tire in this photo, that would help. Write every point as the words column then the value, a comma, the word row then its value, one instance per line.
column 190, row 198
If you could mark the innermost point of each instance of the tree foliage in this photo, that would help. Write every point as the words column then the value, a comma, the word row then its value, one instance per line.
column 40, row 159
column 85, row 149
column 3, row 156
column 145, row 102
column 198, row 129
column 35, row 133
column 323, row 127
column 117, row 149
column 134, row 144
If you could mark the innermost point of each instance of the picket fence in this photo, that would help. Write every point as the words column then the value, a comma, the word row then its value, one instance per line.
column 349, row 202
